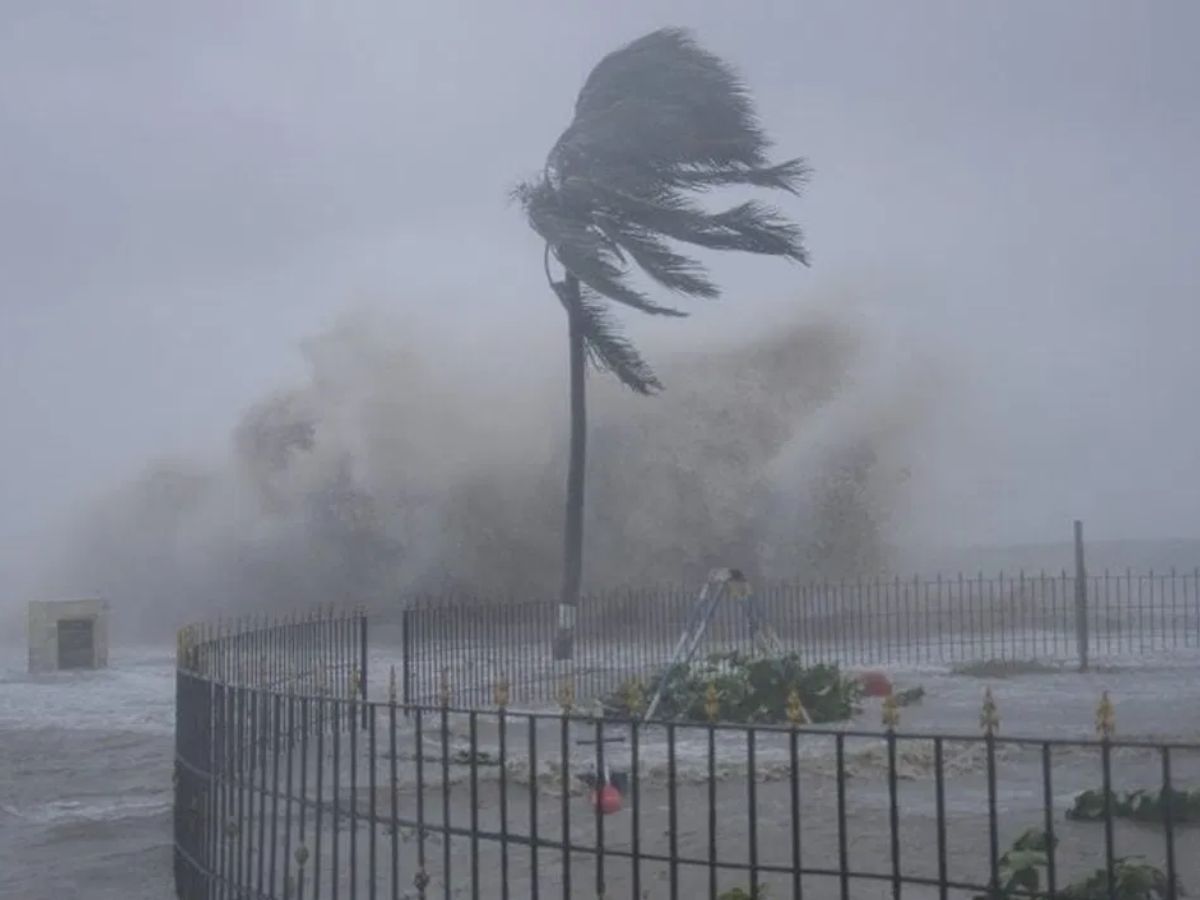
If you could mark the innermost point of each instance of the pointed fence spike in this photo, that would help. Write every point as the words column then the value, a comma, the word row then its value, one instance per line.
column 796, row 713
column 989, row 716
column 712, row 702
column 566, row 695
column 1106, row 718
column 891, row 712
column 635, row 697
column 500, row 692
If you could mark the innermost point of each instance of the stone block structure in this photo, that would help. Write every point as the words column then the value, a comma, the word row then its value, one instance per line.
column 68, row 634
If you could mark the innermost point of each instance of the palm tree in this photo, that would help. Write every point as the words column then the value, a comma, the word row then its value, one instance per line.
column 657, row 123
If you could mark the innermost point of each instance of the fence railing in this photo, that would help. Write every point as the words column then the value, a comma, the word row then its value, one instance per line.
column 905, row 622
column 230, row 726
column 290, row 784
column 324, row 652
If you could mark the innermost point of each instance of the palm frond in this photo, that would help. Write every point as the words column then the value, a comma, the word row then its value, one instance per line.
column 750, row 227
column 653, row 255
column 611, row 351
column 788, row 176
column 584, row 250
column 657, row 123
column 662, row 98
column 754, row 228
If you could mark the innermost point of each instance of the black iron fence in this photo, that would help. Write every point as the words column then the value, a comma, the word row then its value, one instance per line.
column 322, row 652
column 293, row 784
column 231, row 726
column 905, row 622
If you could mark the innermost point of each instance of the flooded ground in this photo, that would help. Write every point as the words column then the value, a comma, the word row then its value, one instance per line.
column 85, row 781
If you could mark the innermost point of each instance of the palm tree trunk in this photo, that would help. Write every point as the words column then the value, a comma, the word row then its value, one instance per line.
column 564, row 642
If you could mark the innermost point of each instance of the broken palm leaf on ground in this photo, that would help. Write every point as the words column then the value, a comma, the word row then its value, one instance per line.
column 747, row 689
column 1139, row 805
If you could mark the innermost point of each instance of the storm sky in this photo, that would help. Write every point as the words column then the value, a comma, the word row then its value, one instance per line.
column 187, row 191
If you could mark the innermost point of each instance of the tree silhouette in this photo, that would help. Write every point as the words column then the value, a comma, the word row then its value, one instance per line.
column 657, row 123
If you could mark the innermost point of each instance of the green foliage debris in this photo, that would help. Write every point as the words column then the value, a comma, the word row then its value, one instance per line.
column 748, row 689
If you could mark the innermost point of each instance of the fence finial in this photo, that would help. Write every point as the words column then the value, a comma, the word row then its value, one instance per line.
column 635, row 698
column 392, row 685
column 500, row 692
column 712, row 702
column 444, row 686
column 989, row 717
column 1106, row 717
column 891, row 712
column 566, row 694
column 796, row 713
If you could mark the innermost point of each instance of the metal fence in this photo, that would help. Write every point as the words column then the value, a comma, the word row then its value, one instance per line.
column 231, row 727
column 293, row 784
column 910, row 622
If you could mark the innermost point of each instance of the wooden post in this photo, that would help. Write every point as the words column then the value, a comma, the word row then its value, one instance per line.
column 1081, row 611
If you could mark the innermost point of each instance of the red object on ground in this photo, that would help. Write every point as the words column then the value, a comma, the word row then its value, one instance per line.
column 607, row 800
column 876, row 684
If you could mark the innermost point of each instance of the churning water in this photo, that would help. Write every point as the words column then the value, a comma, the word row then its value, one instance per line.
column 85, row 779
column 85, row 758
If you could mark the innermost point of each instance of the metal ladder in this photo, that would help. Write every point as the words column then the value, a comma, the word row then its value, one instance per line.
column 721, row 583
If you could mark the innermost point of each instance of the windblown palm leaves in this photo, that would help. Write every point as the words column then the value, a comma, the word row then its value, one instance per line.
column 657, row 123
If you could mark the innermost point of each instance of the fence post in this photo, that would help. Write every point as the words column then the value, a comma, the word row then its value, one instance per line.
column 1081, row 610
column 362, row 662
column 406, row 650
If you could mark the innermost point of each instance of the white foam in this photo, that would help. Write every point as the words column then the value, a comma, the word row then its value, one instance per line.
column 136, row 693
column 105, row 809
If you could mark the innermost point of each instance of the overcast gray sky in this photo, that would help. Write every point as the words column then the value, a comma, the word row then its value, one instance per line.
column 189, row 189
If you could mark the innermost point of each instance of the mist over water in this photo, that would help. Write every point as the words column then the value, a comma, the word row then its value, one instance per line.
column 201, row 416
column 393, row 467
column 190, row 193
